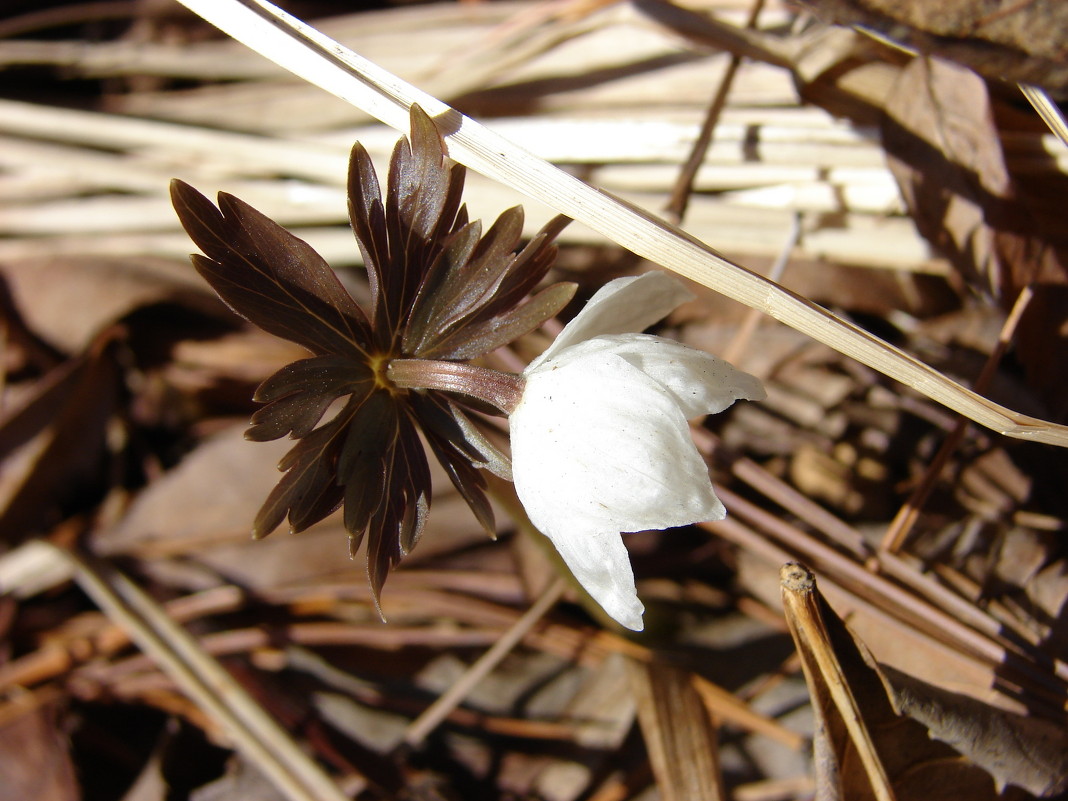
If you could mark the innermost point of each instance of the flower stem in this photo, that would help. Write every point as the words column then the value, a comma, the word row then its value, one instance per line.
column 501, row 390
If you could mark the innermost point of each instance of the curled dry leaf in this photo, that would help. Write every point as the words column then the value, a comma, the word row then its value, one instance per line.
column 1026, row 752
column 864, row 749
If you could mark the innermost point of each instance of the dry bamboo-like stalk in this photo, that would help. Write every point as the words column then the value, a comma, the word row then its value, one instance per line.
column 682, row 743
column 322, row 61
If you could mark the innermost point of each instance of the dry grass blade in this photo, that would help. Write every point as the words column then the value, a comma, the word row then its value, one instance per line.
column 322, row 61
column 255, row 733
column 681, row 740
column 1047, row 110
column 724, row 705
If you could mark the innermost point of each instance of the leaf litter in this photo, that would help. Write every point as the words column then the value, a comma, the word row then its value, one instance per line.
column 127, row 385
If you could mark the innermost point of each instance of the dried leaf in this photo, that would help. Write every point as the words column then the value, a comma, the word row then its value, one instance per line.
column 1002, row 232
column 67, row 301
column 946, row 155
column 864, row 748
column 1019, row 42
column 67, row 462
column 170, row 515
column 1027, row 752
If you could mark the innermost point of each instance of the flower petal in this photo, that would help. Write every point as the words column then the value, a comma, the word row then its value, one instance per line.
column 699, row 382
column 601, row 564
column 600, row 448
column 620, row 306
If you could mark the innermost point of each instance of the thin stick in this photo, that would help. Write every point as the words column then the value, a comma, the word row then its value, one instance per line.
column 322, row 61
column 680, row 195
column 898, row 530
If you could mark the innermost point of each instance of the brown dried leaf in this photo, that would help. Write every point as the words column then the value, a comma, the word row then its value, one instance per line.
column 242, row 779
column 945, row 150
column 67, row 301
column 208, row 500
column 1010, row 41
column 945, row 153
column 864, row 748
column 192, row 525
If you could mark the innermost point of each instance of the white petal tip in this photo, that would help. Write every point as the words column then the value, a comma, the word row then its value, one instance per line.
column 627, row 612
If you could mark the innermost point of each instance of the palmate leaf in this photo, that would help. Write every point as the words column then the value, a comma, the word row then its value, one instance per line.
column 428, row 300
column 468, row 480
column 440, row 416
column 268, row 276
column 308, row 485
column 463, row 451
column 468, row 284
column 367, row 215
column 361, row 468
column 530, row 266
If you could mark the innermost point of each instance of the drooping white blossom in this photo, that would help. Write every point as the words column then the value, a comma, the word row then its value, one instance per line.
column 600, row 440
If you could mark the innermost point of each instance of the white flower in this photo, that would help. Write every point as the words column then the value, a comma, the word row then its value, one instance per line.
column 600, row 442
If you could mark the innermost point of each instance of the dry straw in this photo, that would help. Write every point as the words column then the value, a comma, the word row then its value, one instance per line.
column 323, row 62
